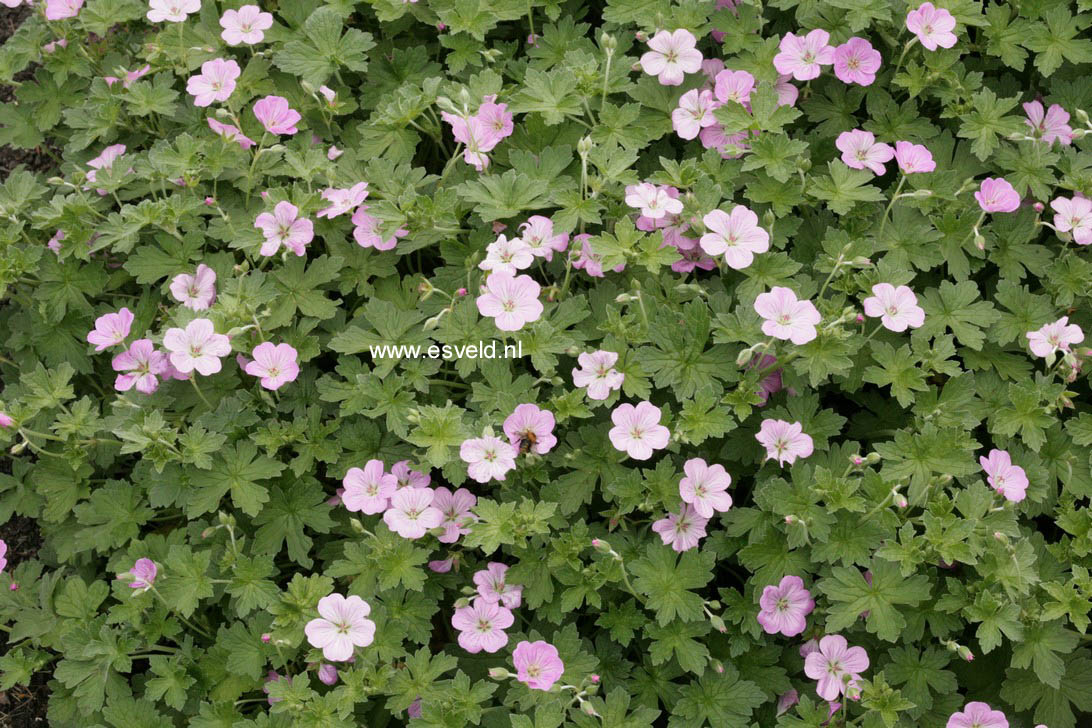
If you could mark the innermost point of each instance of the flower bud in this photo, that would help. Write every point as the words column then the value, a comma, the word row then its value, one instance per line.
column 432, row 322
column 594, row 678
column 14, row 586
column 718, row 667
column 584, row 146
column 499, row 673
column 857, row 461
column 266, row 637
column 642, row 36
column 943, row 479
column 900, row 500
column 791, row 519
column 600, row 545
column 462, row 603
column 1038, row 207
column 208, row 531
column 357, row 525
column 460, row 292
column 980, row 242
column 587, row 708
column 608, row 42
column 226, row 519
column 718, row 623
column 1082, row 116
column 872, row 458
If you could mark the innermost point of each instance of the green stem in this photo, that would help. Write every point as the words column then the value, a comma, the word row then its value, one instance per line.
column 887, row 211
column 197, row 388
column 606, row 82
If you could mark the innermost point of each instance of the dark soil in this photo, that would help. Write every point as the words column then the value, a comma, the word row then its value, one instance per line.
column 36, row 160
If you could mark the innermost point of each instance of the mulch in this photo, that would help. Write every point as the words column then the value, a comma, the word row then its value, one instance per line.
column 35, row 160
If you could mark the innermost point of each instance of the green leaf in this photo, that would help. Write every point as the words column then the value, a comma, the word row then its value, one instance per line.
column 954, row 306
column 291, row 510
column 328, row 50
column 723, row 700
column 1057, row 40
column 989, row 120
column 899, row 369
column 238, row 469
column 844, row 188
column 667, row 583
column 853, row 596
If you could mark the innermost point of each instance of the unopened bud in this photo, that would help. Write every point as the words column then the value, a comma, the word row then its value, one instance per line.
column 718, row 623
column 791, row 519
column 499, row 673
column 856, row 460
column 872, row 458
column 600, row 545
column 624, row 298
column 357, row 525
column 1082, row 116
column 587, row 708
column 226, row 519
column 266, row 637
column 943, row 479
column 208, row 532
column 1038, row 207
column 718, row 667
column 584, row 146
column 768, row 218
column 14, row 586
column 594, row 678
column 900, row 500
column 432, row 322
column 462, row 603
column 18, row 448
column 980, row 242
column 642, row 36
column 608, row 42
column 460, row 292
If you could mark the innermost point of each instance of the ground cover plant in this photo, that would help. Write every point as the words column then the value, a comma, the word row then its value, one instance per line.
column 550, row 363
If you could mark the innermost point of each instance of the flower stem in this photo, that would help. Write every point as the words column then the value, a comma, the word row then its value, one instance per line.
column 887, row 211
column 197, row 388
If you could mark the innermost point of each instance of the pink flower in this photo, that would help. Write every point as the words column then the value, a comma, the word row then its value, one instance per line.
column 507, row 256
column 588, row 260
column 284, row 227
column 110, row 329
column 1050, row 126
column 1007, row 479
column 406, row 476
column 414, row 709
column 198, row 347
column 1054, row 337
column 802, row 57
column 671, row 56
column 276, row 115
column 897, row 307
column 705, row 487
column 856, row 61
column 784, row 441
column 996, row 195
column 411, row 514
column 637, row 430
column 481, row 626
column 786, row 92
column 785, row 607
column 538, row 665
column 245, row 25
column 977, row 715
column 341, row 626
column 54, row 243
column 834, row 664
column 105, row 160
column 327, row 674
column 455, row 508
column 681, row 531
column 538, row 235
column 142, row 574
column 652, row 200
column 271, row 677
column 860, row 149
column 367, row 491
column 771, row 384
column 129, row 77
column 786, row 317
column 913, row 158
column 533, row 425
column 510, row 302
column 62, row 9
column 694, row 113
column 441, row 566
column 691, row 260
column 6, row 420
column 477, row 136
column 275, row 365
column 142, row 364
column 197, row 291
column 933, row 26
column 343, row 199
column 3, row 555
column 496, row 117
column 737, row 236
column 230, row 133
column 492, row 586
column 487, row 458
column 333, row 153
column 216, row 81
column 734, row 86
column 786, row 700
column 53, row 45
column 1074, row 215
column 598, row 374
column 366, row 233
column 174, row 11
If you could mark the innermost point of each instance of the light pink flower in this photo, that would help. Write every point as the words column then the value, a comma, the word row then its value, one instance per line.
column 734, row 86
column 342, row 199
column 216, row 82
column 736, row 236
column 230, row 133
column 932, row 25
column 856, row 61
column 441, row 566
column 284, row 227
column 598, row 374
column 6, row 420
column 275, row 365
column 784, row 441
column 367, row 490
column 803, row 57
column 111, row 329
column 197, row 291
column 538, row 235
column 533, row 425
column 914, row 158
column 487, row 458
column 333, row 153
column 476, row 135
column 977, row 715
column 142, row 574
column 366, row 231
column 637, row 430
column 62, row 9
column 456, row 510
column 833, row 664
column 54, row 243
column 411, row 513
column 142, row 364
column 787, row 317
column 327, row 674
column 493, row 586
column 276, row 115
column 995, row 194
column 652, row 200
column 771, row 384
column 785, row 607
column 681, row 531
column 105, row 160
column 671, row 56
column 481, row 626
column 342, row 626
column 1054, row 337
column 510, row 301
column 705, row 487
column 405, row 476
column 174, row 11
column 1050, row 126
column 53, row 45
column 507, row 256
column 588, row 260
column 1007, row 479
column 786, row 92
column 897, row 307
column 245, row 25
column 692, row 260
column 786, row 700
column 711, row 67
column 3, row 554
column 198, row 346
column 730, row 146
column 538, row 665
column 496, row 117
column 860, row 149
column 271, row 677
column 129, row 77
column 694, row 113
column 1074, row 215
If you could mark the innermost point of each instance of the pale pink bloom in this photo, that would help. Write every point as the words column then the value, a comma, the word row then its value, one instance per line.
column 860, row 149
column 441, row 566
column 342, row 199
column 681, row 531
column 54, row 243
column 487, row 458
column 588, row 260
column 771, row 384
column 784, row 441
column 333, row 153
column 1074, row 215
column 533, row 425
column 691, row 260
column 510, row 302
column 785, row 607
column 3, row 555
column 327, row 674
column 856, row 61
column 598, row 374
column 53, row 45
column 538, row 235
column 275, row 365
column 803, row 56
column 329, row 94
column 730, row 146
column 932, row 25
column 411, row 514
column 718, row 35
column 142, row 574
column 342, row 626
column 414, row 709
column 711, row 67
column 62, row 9
column 1007, row 479
column 1054, row 337
column 366, row 231
column 833, row 664
column 174, row 11
column 786, row 700
column 406, row 476
column 538, row 665
column 367, row 490
column 1050, row 126
column 995, row 194
column 129, row 77
column 245, row 25
column 496, row 117
column 736, row 236
column 694, row 113
column 786, row 92
column 705, row 487
column 977, row 715
column 105, row 160
column 142, row 364
column 6, row 420
column 478, row 138
column 111, row 329
column 284, row 227
column 507, row 256
column 197, row 291
column 216, row 82
column 276, row 115
column 170, row 372
column 787, row 317
column 492, row 586
column 808, row 647
column 637, row 430
column 230, row 133
column 456, row 510
column 897, row 307
column 198, row 346
column 671, row 56
column 652, row 200
column 734, row 86
column 271, row 677
column 914, row 158
column 481, row 626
